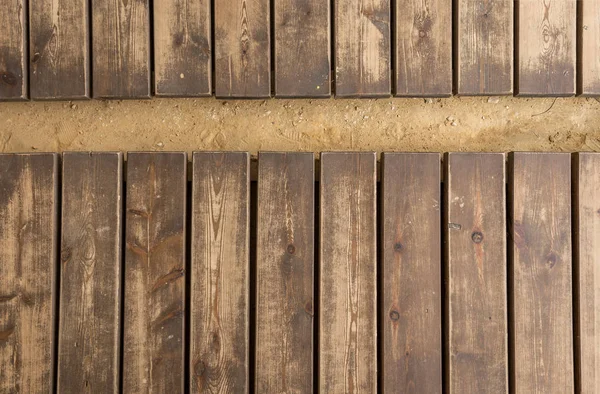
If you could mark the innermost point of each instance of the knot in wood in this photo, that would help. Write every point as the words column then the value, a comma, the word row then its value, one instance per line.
column 394, row 315
column 9, row 78
column 477, row 237
column 291, row 249
column 397, row 247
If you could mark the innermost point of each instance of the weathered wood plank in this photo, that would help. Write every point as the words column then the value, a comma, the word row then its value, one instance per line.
column 242, row 48
column 121, row 48
column 362, row 48
column 285, row 273
column 13, row 50
column 59, row 49
column 182, row 48
column 154, row 305
column 476, row 282
column 219, row 355
column 423, row 48
column 542, row 320
column 411, row 308
column 484, row 62
column 588, row 38
column 586, row 177
column 28, row 256
column 90, row 273
column 302, row 54
column 348, row 274
column 546, row 51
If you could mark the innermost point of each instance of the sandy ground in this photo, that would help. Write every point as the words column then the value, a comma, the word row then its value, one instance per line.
column 454, row 124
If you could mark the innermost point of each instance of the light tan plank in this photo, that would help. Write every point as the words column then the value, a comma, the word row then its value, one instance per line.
column 285, row 273
column 586, row 173
column 28, row 269
column 154, row 304
column 219, row 333
column 476, row 281
column 348, row 274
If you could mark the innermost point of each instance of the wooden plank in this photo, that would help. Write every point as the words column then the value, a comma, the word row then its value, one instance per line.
column 423, row 48
column 242, row 48
column 154, row 337
column 348, row 274
column 182, row 48
column 13, row 50
column 476, row 281
column 542, row 320
column 411, row 308
column 28, row 269
column 588, row 38
column 219, row 355
column 121, row 49
column 285, row 273
column 59, row 49
column 586, row 177
column 90, row 273
column 546, row 51
column 362, row 48
column 484, row 62
column 302, row 54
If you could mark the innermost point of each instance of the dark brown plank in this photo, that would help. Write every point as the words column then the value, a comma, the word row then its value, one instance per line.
column 285, row 273
column 121, row 48
column 411, row 308
column 242, row 48
column 182, row 48
column 13, row 50
column 546, row 49
column 542, row 319
column 302, row 65
column 28, row 256
column 588, row 38
column 484, row 58
column 90, row 273
column 362, row 48
column 348, row 274
column 476, row 282
column 586, row 181
column 154, row 305
column 59, row 49
column 219, row 355
column 423, row 48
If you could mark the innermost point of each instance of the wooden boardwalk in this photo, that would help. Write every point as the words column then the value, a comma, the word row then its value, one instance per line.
column 77, row 49
column 475, row 273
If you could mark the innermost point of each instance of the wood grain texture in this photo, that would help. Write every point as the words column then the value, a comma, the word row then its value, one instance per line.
column 154, row 305
column 302, row 54
column 13, row 50
column 285, row 273
column 59, row 49
column 589, row 41
column 28, row 256
column 484, row 62
column 348, row 274
column 411, row 309
column 362, row 48
column 476, row 265
column 542, row 319
column 121, row 48
column 182, row 48
column 219, row 355
column 242, row 48
column 586, row 173
column 90, row 273
column 546, row 34
column 423, row 48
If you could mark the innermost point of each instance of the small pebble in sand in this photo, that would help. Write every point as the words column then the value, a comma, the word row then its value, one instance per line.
column 494, row 100
column 73, row 106
column 160, row 144
column 428, row 101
